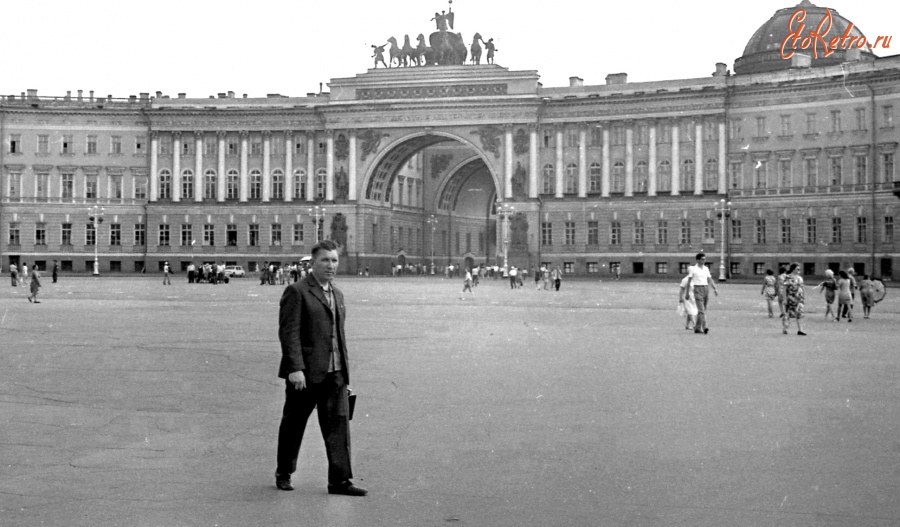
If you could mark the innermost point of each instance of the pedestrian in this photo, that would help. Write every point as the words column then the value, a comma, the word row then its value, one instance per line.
column 23, row 274
column 854, row 286
column 618, row 271
column 14, row 274
column 779, row 288
column 867, row 295
column 545, row 278
column 191, row 272
column 35, row 284
column 700, row 279
column 166, row 270
column 687, row 303
column 315, row 366
column 263, row 274
column 794, row 298
column 512, row 277
column 768, row 290
column 829, row 286
column 467, row 285
column 557, row 277
column 55, row 270
column 845, row 296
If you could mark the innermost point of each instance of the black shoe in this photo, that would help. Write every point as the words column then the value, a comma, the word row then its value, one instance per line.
column 283, row 483
column 705, row 331
column 346, row 488
column 801, row 333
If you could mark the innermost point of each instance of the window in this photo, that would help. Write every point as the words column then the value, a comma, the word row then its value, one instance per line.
column 68, row 145
column 276, row 145
column 662, row 232
column 888, row 229
column 209, row 235
column 187, row 146
column 321, row 182
column 187, row 184
column 685, row 232
column 209, row 184
column 760, row 231
column 187, row 234
column 90, row 234
column 300, row 184
column 887, row 167
column 572, row 138
column 761, row 173
column 887, row 116
column 40, row 234
column 140, row 234
column 115, row 234
column 140, row 187
column 232, row 182
column 546, row 233
column 231, row 235
column 298, row 233
column 569, row 232
column 736, row 231
column 43, row 186
column 664, row 176
column 639, row 232
column 836, row 230
column 163, row 235
column 115, row 186
column 593, row 233
column 836, row 170
column 256, row 145
column 615, row 233
column 835, row 121
column 812, row 171
column 210, row 146
column 687, row 175
column 115, row 145
column 15, row 185
column 66, row 234
column 688, row 131
column 233, row 147
column 785, row 175
column 571, row 178
column 278, row 184
column 711, row 174
column 643, row 134
column 468, row 241
column 68, row 186
column 255, row 184
column 759, row 268
column 662, row 267
column 786, row 129
column 300, row 146
column 618, row 177
column 637, row 267
column 640, row 176
column 761, row 127
column 14, row 238
column 90, row 187
column 734, row 129
column 91, row 148
column 548, row 138
column 15, row 144
column 861, row 229
column 43, row 145
column 568, row 268
column 861, row 119
column 165, row 184
column 665, row 134
column 593, row 267
column 253, row 238
column 860, row 172
column 735, row 174
column 786, row 231
column 735, row 268
column 811, row 230
column 140, row 145
column 276, row 234
column 618, row 135
column 322, row 148
column 709, row 231
column 810, row 123
column 547, row 179
column 165, row 145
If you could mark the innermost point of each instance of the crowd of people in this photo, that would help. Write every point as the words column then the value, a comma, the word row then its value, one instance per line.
column 31, row 280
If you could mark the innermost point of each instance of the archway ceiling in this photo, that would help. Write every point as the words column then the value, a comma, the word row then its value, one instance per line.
column 381, row 183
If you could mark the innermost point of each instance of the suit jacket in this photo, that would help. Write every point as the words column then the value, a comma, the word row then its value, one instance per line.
column 306, row 330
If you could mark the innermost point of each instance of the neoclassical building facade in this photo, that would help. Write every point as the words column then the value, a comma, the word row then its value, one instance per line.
column 782, row 160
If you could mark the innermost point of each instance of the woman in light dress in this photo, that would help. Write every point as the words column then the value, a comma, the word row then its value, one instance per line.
column 768, row 291
column 845, row 296
column 829, row 286
column 794, row 298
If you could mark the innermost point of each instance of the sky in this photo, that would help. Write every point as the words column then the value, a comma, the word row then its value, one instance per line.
column 203, row 47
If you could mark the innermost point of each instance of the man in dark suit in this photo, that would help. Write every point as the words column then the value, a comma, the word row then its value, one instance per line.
column 315, row 365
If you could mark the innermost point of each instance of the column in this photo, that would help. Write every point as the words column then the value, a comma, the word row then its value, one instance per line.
column 267, row 165
column 310, row 166
column 329, row 166
column 508, row 160
column 604, row 181
column 154, row 166
column 651, row 161
column 288, row 166
column 198, row 166
column 698, row 159
column 245, row 183
column 220, row 168
column 533, row 167
column 176, row 167
column 676, row 158
column 560, row 169
column 351, row 168
column 723, row 161
column 582, row 162
column 629, row 159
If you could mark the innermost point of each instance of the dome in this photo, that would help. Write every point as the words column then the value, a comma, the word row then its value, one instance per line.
column 763, row 51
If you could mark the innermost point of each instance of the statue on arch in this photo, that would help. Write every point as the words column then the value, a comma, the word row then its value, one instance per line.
column 444, row 19
column 518, row 181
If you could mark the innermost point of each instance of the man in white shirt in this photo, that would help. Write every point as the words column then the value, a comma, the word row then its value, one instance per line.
column 701, row 279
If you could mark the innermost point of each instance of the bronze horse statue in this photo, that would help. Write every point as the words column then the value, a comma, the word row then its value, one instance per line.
column 476, row 49
column 449, row 48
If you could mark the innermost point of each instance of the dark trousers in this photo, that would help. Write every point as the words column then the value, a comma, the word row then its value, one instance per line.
column 330, row 399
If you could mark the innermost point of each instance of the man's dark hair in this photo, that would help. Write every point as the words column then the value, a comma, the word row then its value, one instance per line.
column 324, row 245
column 701, row 255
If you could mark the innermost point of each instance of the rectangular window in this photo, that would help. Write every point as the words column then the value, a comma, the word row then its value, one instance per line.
column 187, row 234
column 549, row 138
column 68, row 145
column 276, row 234
column 40, row 234
column 210, row 146
column 836, row 170
column 187, row 146
column 15, row 185
column 115, row 234
column 811, row 230
column 643, row 134
column 786, row 129
column 14, row 238
column 321, row 147
column 546, row 233
column 231, row 235
column 861, row 229
column 761, row 127
column 43, row 186
column 593, row 233
column 662, row 267
column 615, row 233
column 618, row 135
column 164, row 235
column 572, row 138
column 43, row 144
column 91, row 148
column 68, row 186
column 115, row 187
column 887, row 167
column 140, row 234
column 570, row 232
column 761, row 171
column 709, row 231
column 140, row 145
column 140, row 187
column 887, row 116
column 734, row 129
column 253, row 238
column 639, row 232
column 662, row 232
column 835, row 121
column 256, row 146
column 115, row 145
column 812, row 171
column 759, row 268
column 735, row 174
column 786, row 231
column 760, row 231
column 736, row 233
column 568, row 268
column 234, row 147
column 888, row 229
column 861, row 119
column 209, row 235
column 165, row 145
column 90, row 187
column 860, row 170
column 15, row 144
column 685, row 232
column 300, row 146
column 810, row 123
column 90, row 235
column 593, row 267
column 836, row 231
column 785, row 173
column 66, row 234
column 298, row 233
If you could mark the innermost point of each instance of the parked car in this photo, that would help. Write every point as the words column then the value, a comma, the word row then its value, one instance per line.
column 235, row 271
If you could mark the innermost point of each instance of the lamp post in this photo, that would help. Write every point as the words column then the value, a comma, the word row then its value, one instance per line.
column 505, row 211
column 95, row 217
column 317, row 212
column 432, row 220
column 723, row 211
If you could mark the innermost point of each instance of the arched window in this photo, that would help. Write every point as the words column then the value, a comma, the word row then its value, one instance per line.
column 596, row 178
column 571, row 178
column 278, row 184
column 255, row 184
column 640, row 176
column 300, row 184
column 165, row 184
column 618, row 177
column 187, row 184
column 321, row 182
column 711, row 174
column 209, row 184
column 232, row 184
column 687, row 175
column 547, row 179
column 664, row 176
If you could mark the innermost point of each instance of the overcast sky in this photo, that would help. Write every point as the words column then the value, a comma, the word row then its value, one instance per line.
column 257, row 47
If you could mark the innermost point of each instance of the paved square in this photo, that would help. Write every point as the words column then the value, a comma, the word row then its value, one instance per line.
column 124, row 402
